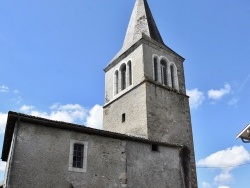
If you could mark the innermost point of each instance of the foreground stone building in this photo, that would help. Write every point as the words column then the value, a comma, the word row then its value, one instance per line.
column 147, row 139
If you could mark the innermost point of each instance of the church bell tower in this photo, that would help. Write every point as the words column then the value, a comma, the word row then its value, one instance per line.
column 145, row 94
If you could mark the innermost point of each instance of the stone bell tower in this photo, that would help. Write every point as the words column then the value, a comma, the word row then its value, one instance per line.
column 145, row 94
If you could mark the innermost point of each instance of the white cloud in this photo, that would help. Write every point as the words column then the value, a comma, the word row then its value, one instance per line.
column 3, row 120
column 229, row 157
column 72, row 113
column 224, row 177
column 2, row 166
column 196, row 98
column 4, row 89
column 26, row 108
column 206, row 185
column 218, row 94
column 226, row 160
column 67, row 107
column 94, row 119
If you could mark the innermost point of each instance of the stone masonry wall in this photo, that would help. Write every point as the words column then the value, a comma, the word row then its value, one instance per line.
column 169, row 120
column 150, row 50
column 133, row 105
column 41, row 159
column 136, row 59
column 153, row 169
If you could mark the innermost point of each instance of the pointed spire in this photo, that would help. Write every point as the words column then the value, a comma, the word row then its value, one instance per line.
column 141, row 21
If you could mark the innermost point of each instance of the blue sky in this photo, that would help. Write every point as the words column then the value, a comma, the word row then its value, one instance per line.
column 52, row 55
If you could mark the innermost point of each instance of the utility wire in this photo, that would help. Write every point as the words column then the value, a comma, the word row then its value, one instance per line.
column 224, row 166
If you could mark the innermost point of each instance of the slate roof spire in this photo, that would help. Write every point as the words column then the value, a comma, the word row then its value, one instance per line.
column 141, row 21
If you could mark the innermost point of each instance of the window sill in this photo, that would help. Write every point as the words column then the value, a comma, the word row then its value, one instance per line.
column 82, row 170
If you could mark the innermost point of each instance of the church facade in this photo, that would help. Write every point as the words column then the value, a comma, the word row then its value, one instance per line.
column 147, row 140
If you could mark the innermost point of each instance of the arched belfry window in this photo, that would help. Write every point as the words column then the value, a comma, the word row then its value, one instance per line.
column 164, row 72
column 155, row 63
column 174, row 76
column 123, row 76
column 116, row 82
column 129, row 73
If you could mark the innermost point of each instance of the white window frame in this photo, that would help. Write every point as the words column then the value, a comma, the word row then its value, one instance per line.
column 116, row 82
column 124, row 76
column 156, row 68
column 129, row 73
column 71, row 154
column 164, row 73
column 174, row 76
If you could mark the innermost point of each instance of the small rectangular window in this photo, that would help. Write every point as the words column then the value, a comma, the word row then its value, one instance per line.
column 78, row 156
column 155, row 147
column 123, row 117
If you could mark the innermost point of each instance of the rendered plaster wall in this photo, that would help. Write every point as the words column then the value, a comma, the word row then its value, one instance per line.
column 151, row 169
column 155, row 111
column 150, row 50
column 136, row 59
column 169, row 120
column 132, row 100
column 133, row 105
column 41, row 159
